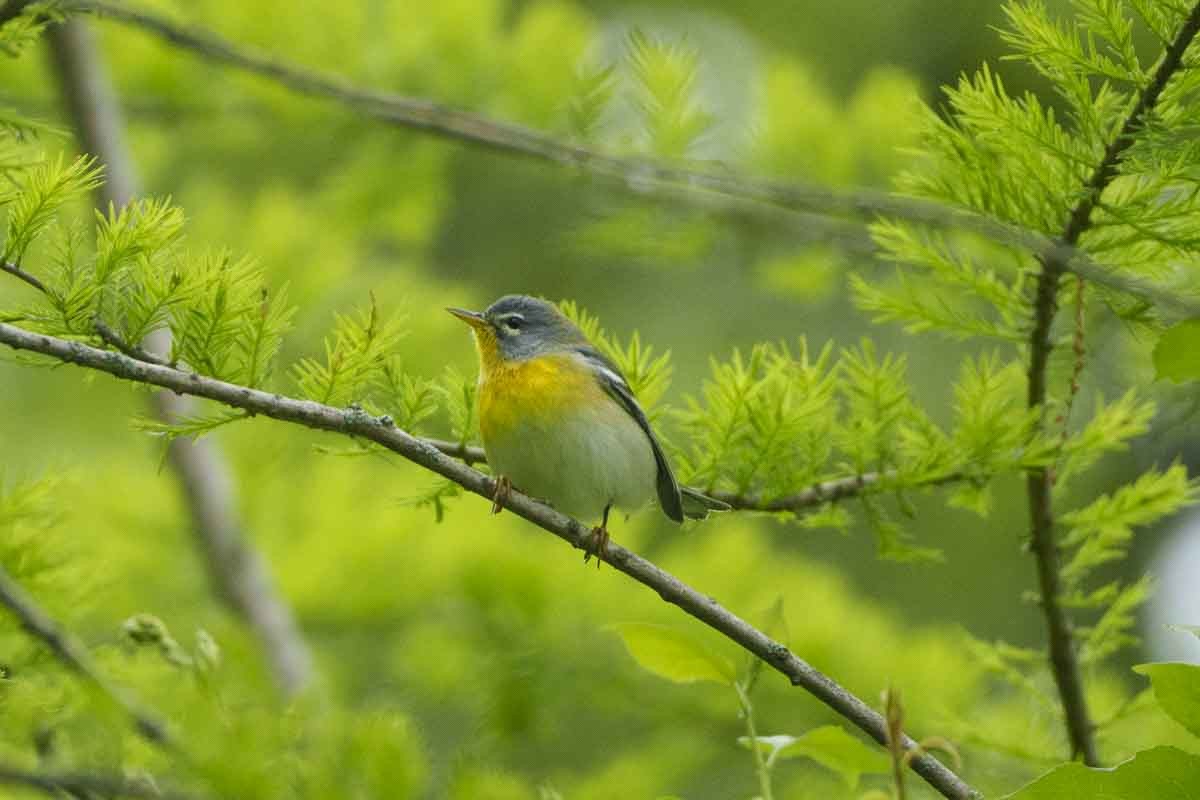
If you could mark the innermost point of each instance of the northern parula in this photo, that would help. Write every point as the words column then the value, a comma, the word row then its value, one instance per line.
column 559, row 421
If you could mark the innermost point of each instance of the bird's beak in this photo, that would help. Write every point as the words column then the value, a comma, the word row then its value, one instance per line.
column 472, row 318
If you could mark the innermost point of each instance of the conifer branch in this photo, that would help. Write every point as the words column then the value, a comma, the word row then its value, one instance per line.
column 763, row 198
column 40, row 625
column 103, row 329
column 86, row 784
column 382, row 431
column 237, row 571
column 1063, row 657
column 829, row 491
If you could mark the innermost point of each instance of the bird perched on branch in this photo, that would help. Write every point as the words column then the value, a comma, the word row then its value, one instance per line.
column 559, row 421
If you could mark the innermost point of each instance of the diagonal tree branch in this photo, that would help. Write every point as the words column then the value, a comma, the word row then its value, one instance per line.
column 763, row 198
column 357, row 423
column 1039, row 484
column 40, row 625
column 238, row 573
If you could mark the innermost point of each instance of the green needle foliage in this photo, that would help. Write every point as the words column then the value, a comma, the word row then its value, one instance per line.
column 770, row 423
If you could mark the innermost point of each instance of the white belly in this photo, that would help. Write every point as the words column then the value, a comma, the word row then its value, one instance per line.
column 584, row 464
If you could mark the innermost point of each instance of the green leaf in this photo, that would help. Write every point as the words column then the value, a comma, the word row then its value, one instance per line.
column 1162, row 773
column 831, row 747
column 1177, row 354
column 673, row 655
column 1177, row 689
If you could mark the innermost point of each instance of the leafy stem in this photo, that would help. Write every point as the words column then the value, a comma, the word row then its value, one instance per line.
column 762, row 767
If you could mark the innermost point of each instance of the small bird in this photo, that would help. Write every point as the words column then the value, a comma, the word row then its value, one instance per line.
column 559, row 421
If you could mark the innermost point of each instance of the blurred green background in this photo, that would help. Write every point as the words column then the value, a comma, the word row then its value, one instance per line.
column 488, row 635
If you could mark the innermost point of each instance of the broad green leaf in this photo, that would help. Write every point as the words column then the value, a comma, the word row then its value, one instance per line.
column 1161, row 773
column 831, row 747
column 1177, row 688
column 674, row 656
column 1177, row 354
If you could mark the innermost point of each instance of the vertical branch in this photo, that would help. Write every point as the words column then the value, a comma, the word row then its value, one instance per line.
column 1063, row 659
column 238, row 573
column 1079, row 350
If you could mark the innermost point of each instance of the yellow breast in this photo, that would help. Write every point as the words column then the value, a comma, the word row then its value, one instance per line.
column 537, row 391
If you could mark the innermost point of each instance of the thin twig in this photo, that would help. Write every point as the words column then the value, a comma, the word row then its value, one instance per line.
column 113, row 339
column 32, row 280
column 237, row 571
column 40, row 625
column 1039, row 485
column 103, row 330
column 894, row 714
column 468, row 453
column 762, row 768
column 826, row 492
column 675, row 182
column 87, row 784
column 355, row 422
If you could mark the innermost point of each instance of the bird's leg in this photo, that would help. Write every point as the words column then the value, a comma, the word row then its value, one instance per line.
column 599, row 545
column 500, row 497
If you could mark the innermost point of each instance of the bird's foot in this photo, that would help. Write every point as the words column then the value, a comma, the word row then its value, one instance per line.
column 598, row 546
column 502, row 493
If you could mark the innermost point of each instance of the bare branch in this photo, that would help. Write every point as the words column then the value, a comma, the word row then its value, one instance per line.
column 16, row 271
column 770, row 199
column 469, row 453
column 40, row 625
column 355, row 422
column 87, row 784
column 237, row 571
column 1063, row 658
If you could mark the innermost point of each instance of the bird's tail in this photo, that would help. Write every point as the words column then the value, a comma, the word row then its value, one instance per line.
column 697, row 505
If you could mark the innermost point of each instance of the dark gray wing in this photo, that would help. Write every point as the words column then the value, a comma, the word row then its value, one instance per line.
column 614, row 383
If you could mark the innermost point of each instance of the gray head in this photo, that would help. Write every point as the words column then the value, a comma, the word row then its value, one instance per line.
column 518, row 327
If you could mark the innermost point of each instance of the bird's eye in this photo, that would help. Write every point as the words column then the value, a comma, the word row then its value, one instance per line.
column 514, row 323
